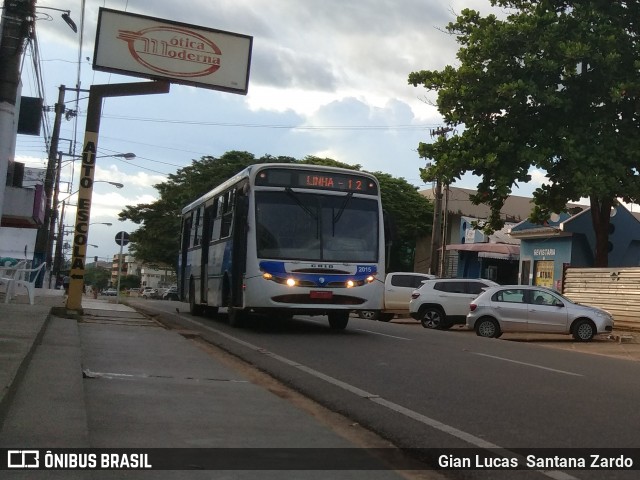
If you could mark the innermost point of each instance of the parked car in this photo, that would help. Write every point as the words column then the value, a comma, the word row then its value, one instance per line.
column 149, row 292
column 526, row 308
column 171, row 294
column 110, row 292
column 444, row 302
column 398, row 287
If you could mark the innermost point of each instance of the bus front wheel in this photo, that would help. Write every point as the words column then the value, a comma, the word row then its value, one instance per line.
column 338, row 320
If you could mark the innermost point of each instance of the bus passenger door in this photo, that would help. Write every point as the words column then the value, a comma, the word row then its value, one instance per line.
column 204, row 261
column 239, row 254
column 183, row 284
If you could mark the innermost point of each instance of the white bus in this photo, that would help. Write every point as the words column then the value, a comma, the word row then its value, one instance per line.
column 285, row 239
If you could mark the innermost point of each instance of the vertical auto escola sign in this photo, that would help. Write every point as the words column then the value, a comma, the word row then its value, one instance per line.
column 154, row 48
column 157, row 49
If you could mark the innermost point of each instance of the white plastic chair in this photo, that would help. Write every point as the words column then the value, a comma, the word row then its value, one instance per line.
column 22, row 278
column 7, row 276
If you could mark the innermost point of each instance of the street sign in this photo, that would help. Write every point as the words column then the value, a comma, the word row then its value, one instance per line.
column 122, row 238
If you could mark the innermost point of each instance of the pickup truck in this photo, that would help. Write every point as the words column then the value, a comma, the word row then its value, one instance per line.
column 398, row 287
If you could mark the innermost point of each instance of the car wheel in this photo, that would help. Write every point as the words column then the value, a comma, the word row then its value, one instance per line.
column 433, row 317
column 584, row 330
column 338, row 320
column 368, row 314
column 488, row 327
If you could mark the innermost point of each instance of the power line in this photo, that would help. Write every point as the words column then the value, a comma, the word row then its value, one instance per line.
column 275, row 126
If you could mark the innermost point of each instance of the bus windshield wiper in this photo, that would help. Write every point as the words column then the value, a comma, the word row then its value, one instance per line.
column 347, row 197
column 293, row 195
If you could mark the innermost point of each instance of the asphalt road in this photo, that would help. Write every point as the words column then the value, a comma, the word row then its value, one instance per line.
column 440, row 389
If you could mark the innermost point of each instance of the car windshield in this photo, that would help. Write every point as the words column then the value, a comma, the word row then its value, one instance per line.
column 316, row 227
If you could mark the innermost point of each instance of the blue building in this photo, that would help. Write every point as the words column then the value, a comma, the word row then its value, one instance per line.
column 569, row 240
column 479, row 255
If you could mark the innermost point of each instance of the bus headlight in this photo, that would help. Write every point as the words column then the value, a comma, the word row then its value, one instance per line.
column 291, row 282
column 267, row 276
column 350, row 283
column 370, row 278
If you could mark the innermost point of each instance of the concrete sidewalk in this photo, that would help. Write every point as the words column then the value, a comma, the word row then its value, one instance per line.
column 114, row 378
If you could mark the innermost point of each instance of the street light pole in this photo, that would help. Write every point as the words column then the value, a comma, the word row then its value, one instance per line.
column 43, row 240
column 57, row 259
column 438, row 234
column 54, row 217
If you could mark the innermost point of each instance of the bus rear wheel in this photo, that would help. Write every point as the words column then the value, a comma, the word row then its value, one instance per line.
column 338, row 320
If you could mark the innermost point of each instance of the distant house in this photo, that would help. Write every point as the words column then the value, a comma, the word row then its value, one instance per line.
column 569, row 240
column 479, row 255
column 469, row 253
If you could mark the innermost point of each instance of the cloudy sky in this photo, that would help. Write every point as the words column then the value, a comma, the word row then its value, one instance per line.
column 328, row 78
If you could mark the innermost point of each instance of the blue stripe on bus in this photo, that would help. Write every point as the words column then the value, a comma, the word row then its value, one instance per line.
column 277, row 269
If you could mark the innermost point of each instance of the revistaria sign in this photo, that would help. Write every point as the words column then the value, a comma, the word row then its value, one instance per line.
column 148, row 47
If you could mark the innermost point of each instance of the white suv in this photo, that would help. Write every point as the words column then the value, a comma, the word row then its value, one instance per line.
column 149, row 292
column 443, row 302
column 398, row 287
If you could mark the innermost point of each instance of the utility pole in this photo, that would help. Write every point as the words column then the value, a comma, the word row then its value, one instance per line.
column 437, row 232
column 15, row 28
column 57, row 258
column 45, row 232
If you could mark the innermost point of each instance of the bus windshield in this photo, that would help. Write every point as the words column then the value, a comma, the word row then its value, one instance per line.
column 315, row 227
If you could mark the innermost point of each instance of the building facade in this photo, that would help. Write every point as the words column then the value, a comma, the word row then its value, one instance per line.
column 569, row 240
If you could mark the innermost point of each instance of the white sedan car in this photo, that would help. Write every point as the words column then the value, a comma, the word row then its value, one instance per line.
column 526, row 308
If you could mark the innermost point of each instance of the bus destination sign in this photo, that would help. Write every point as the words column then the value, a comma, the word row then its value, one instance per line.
column 294, row 178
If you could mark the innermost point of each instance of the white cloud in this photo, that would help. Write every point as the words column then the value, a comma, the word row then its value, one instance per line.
column 538, row 177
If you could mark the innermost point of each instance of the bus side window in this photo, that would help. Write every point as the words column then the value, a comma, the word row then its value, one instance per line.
column 197, row 238
column 217, row 222
column 188, row 232
column 227, row 216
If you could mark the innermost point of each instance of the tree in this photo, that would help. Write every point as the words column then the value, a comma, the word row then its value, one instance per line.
column 409, row 216
column 555, row 86
column 130, row 281
column 97, row 277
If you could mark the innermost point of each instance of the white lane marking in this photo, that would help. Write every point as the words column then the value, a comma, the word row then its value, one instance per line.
column 529, row 364
column 443, row 427
column 383, row 334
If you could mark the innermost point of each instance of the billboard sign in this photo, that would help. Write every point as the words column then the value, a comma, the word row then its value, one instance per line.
column 148, row 47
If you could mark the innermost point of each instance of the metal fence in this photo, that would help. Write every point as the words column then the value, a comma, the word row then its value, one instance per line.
column 616, row 290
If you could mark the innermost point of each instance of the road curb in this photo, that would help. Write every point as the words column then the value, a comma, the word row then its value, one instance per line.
column 14, row 379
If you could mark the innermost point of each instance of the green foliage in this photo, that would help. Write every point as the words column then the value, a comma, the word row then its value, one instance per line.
column 555, row 86
column 158, row 238
column 130, row 281
column 98, row 278
column 410, row 216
